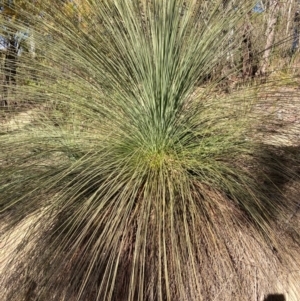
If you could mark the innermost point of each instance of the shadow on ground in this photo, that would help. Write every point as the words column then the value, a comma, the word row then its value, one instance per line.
column 275, row 297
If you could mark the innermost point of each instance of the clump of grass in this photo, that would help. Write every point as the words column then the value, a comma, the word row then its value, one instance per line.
column 144, row 186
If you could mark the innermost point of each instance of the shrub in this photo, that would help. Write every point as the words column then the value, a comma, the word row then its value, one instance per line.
column 141, row 180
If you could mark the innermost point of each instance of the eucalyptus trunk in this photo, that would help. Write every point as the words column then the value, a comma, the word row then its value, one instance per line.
column 273, row 10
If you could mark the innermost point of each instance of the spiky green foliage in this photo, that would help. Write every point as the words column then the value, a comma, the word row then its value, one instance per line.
column 140, row 181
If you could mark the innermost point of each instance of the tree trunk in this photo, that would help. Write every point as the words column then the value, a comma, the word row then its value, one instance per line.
column 270, row 34
column 10, row 68
column 289, row 16
column 247, row 52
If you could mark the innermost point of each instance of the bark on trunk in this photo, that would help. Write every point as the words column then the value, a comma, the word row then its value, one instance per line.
column 270, row 34
column 10, row 68
column 289, row 16
column 247, row 52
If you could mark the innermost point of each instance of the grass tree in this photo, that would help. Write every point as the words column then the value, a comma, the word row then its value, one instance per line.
column 140, row 180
